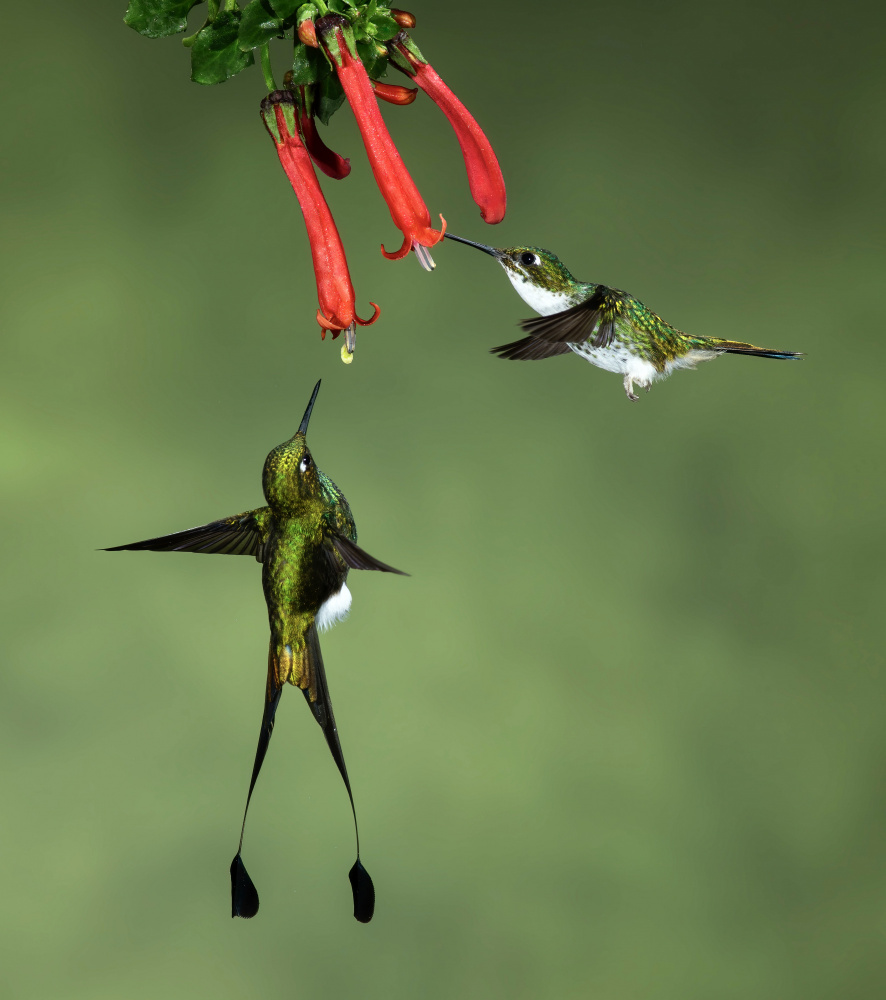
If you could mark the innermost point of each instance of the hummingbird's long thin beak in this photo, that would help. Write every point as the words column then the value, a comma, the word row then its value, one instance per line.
column 305, row 420
column 480, row 246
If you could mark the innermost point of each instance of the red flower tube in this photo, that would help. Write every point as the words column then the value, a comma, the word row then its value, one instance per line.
column 334, row 289
column 484, row 174
column 408, row 210
column 327, row 160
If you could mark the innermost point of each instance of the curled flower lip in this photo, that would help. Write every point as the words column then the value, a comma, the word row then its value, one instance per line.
column 335, row 292
column 484, row 174
column 337, row 326
column 405, row 203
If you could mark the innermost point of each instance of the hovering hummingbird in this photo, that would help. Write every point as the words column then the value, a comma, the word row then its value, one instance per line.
column 605, row 326
column 305, row 539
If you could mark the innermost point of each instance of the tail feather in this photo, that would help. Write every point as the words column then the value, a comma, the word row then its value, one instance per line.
column 301, row 664
column 294, row 665
column 317, row 696
column 737, row 347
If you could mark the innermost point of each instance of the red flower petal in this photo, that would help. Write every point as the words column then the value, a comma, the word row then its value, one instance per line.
column 484, row 174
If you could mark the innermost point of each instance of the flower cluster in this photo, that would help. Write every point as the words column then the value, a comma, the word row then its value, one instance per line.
column 295, row 135
column 341, row 49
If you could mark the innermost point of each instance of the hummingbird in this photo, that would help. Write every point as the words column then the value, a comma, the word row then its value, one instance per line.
column 306, row 541
column 603, row 325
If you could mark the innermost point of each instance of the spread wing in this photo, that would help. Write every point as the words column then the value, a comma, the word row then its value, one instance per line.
column 340, row 539
column 240, row 535
column 530, row 349
column 592, row 321
column 354, row 557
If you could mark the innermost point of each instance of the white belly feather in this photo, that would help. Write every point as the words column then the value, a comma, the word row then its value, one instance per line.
column 617, row 358
column 334, row 609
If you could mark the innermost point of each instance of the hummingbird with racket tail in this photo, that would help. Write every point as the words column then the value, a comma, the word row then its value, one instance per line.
column 306, row 541
column 603, row 325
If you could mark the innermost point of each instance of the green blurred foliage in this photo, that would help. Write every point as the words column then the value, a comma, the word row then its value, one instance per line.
column 621, row 733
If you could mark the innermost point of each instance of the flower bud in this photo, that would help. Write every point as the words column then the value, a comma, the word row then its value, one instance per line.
column 308, row 34
column 393, row 93
column 403, row 17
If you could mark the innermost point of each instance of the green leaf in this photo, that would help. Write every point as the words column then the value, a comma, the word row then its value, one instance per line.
column 383, row 27
column 328, row 98
column 286, row 8
column 257, row 25
column 376, row 65
column 159, row 18
column 306, row 64
column 215, row 54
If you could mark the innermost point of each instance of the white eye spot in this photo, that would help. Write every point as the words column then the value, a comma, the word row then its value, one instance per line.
column 529, row 259
column 304, row 464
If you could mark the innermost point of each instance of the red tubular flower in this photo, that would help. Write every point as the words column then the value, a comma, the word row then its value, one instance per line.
column 484, row 174
column 334, row 289
column 393, row 93
column 408, row 210
column 329, row 162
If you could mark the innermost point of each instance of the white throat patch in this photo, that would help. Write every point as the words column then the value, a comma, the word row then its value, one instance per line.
column 334, row 609
column 545, row 303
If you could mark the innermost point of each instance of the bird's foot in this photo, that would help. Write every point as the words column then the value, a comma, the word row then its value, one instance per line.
column 629, row 389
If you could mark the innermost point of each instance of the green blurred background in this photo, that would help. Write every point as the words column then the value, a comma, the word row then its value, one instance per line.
column 620, row 735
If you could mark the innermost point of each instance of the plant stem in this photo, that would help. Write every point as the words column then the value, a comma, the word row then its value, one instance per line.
column 266, row 67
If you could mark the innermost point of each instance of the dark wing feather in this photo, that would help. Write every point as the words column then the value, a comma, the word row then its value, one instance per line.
column 356, row 558
column 240, row 535
column 590, row 321
column 530, row 349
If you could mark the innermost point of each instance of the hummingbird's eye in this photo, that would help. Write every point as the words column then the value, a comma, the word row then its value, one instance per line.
column 529, row 259
column 304, row 464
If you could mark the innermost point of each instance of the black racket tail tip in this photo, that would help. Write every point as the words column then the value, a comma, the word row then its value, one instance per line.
column 364, row 892
column 244, row 895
